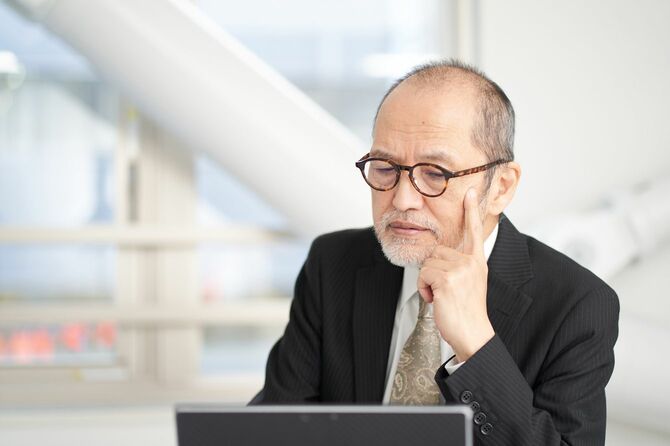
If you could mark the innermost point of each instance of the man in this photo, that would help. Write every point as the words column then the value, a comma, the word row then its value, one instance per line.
column 445, row 301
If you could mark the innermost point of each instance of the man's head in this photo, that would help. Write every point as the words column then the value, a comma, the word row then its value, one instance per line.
column 452, row 115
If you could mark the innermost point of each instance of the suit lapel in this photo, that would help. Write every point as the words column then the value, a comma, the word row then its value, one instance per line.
column 509, row 268
column 377, row 292
column 506, row 305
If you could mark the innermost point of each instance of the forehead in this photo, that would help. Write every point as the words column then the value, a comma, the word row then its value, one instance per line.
column 421, row 121
column 434, row 155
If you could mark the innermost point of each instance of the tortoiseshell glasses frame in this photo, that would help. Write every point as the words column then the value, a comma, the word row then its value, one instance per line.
column 434, row 178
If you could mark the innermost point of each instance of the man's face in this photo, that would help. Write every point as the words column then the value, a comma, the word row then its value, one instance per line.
column 421, row 124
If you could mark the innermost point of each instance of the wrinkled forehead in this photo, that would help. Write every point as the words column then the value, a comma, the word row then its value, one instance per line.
column 438, row 155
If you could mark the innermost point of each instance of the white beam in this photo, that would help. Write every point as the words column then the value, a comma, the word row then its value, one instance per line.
column 199, row 83
column 140, row 235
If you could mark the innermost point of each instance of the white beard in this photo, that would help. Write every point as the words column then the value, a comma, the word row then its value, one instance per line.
column 402, row 251
column 404, row 254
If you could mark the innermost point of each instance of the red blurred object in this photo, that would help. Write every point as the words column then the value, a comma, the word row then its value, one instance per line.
column 43, row 345
column 3, row 348
column 73, row 336
column 105, row 334
column 20, row 347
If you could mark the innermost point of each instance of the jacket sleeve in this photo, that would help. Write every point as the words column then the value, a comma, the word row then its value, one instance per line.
column 293, row 370
column 565, row 405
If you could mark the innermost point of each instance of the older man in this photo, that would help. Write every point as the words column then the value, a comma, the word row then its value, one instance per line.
column 445, row 301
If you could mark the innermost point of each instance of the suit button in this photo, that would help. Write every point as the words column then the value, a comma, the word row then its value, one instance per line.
column 466, row 397
column 479, row 418
column 475, row 406
column 486, row 428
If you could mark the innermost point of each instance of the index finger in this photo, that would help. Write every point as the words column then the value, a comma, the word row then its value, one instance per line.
column 473, row 230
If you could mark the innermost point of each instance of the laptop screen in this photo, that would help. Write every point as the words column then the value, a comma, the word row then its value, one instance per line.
column 210, row 425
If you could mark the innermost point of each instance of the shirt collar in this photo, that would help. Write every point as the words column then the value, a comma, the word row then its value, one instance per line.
column 411, row 273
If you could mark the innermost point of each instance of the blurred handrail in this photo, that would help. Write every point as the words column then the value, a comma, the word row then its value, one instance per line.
column 141, row 235
column 261, row 312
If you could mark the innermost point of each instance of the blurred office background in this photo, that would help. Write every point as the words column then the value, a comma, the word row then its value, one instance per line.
column 164, row 165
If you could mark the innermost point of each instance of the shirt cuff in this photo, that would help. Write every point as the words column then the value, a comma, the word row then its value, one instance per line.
column 451, row 366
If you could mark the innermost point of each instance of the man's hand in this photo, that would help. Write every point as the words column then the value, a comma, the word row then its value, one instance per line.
column 455, row 282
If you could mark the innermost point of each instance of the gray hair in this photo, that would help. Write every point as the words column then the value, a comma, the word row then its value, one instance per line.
column 493, row 129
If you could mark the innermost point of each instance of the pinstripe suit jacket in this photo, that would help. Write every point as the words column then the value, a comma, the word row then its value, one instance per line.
column 539, row 381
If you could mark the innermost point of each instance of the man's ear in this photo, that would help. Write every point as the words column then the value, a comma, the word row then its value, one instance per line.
column 503, row 187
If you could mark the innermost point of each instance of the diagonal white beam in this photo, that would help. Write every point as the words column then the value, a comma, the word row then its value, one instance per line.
column 203, row 86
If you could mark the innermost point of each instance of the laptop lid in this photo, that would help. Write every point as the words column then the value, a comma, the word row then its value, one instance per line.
column 214, row 425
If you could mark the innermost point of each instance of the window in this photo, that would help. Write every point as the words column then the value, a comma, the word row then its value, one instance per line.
column 258, row 277
column 57, row 141
column 345, row 53
column 137, row 267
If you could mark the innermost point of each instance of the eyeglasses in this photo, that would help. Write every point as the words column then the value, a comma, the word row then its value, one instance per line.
column 429, row 179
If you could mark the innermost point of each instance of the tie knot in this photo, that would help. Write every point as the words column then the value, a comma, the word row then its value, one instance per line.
column 424, row 309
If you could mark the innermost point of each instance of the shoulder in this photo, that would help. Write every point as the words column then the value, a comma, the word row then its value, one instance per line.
column 566, row 282
column 548, row 261
column 336, row 257
column 553, row 281
column 354, row 244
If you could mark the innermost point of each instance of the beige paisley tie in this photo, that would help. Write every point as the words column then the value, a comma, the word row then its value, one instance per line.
column 414, row 380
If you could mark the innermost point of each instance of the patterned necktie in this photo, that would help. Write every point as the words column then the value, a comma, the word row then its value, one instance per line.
column 414, row 380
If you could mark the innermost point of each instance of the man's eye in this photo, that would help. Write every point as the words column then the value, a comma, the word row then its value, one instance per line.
column 434, row 175
column 383, row 170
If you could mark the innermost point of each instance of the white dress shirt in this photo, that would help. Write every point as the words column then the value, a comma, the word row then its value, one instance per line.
column 406, row 315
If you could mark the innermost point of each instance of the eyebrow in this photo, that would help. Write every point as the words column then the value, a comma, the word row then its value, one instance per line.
column 434, row 156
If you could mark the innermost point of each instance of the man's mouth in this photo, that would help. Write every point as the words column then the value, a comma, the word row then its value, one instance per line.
column 406, row 228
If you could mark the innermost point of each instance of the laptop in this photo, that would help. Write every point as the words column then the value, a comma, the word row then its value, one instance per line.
column 216, row 425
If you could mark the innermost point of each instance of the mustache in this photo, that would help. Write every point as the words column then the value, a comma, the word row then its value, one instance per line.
column 416, row 219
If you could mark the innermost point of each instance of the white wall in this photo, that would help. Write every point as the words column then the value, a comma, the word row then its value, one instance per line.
column 589, row 81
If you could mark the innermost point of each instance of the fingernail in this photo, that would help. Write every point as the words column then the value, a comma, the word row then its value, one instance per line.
column 471, row 193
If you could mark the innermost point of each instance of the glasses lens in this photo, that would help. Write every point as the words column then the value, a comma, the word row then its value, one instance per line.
column 380, row 174
column 429, row 179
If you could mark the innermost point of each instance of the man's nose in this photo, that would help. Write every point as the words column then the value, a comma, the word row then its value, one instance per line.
column 405, row 194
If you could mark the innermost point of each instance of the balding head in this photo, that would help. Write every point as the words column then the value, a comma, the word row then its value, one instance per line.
column 492, row 129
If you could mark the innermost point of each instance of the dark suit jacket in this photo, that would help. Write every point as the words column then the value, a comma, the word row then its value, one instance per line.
column 539, row 381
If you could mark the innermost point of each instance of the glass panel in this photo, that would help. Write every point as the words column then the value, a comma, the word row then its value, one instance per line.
column 342, row 53
column 237, row 350
column 242, row 271
column 57, row 131
column 62, row 273
column 245, row 271
column 75, row 343
column 222, row 199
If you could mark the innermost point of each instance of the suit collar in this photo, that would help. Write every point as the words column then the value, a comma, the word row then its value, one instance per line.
column 510, row 260
column 509, row 268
